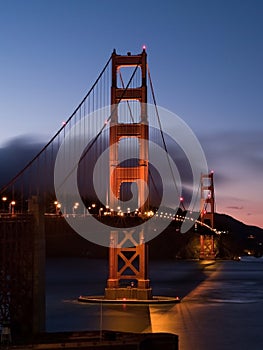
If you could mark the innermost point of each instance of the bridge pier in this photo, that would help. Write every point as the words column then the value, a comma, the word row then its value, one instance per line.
column 207, row 247
column 128, row 264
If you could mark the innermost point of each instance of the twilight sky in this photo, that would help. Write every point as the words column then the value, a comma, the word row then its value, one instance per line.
column 205, row 58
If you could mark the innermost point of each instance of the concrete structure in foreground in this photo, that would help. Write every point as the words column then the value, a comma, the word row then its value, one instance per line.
column 103, row 340
column 22, row 272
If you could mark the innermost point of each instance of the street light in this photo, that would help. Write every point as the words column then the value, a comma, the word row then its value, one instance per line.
column 93, row 209
column 12, row 207
column 4, row 199
column 75, row 207
column 100, row 212
column 57, row 206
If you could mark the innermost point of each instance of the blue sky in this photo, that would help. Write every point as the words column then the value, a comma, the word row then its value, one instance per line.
column 205, row 58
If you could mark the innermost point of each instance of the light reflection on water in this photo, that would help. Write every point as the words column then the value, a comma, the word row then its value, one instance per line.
column 221, row 307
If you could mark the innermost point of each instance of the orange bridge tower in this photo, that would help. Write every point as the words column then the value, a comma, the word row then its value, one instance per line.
column 128, row 259
column 207, row 211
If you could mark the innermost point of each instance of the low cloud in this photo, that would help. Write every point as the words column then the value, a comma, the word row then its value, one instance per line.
column 236, row 157
column 234, row 207
column 242, row 147
column 15, row 154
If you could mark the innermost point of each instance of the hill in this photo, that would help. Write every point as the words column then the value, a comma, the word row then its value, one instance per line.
column 235, row 239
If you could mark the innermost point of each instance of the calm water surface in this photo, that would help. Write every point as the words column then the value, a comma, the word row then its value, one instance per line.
column 221, row 307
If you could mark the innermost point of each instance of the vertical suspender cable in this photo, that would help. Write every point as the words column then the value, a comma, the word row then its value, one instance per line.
column 102, row 128
column 162, row 135
column 15, row 178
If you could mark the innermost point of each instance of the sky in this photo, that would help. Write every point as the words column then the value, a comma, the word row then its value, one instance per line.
column 205, row 58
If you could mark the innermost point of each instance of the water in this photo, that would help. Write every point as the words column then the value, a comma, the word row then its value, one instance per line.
column 221, row 307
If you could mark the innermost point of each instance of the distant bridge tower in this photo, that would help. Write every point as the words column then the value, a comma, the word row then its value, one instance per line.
column 207, row 211
column 125, row 262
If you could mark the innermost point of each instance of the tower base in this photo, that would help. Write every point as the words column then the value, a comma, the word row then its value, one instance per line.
column 210, row 256
column 128, row 293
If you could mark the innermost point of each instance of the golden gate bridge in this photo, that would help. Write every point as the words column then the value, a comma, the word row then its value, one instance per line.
column 125, row 120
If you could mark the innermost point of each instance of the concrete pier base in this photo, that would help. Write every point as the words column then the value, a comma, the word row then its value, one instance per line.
column 128, row 293
column 97, row 299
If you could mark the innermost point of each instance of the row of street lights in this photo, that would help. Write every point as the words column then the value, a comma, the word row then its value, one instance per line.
column 102, row 211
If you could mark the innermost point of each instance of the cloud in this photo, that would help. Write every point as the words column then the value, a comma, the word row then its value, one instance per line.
column 234, row 155
column 235, row 207
column 15, row 154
